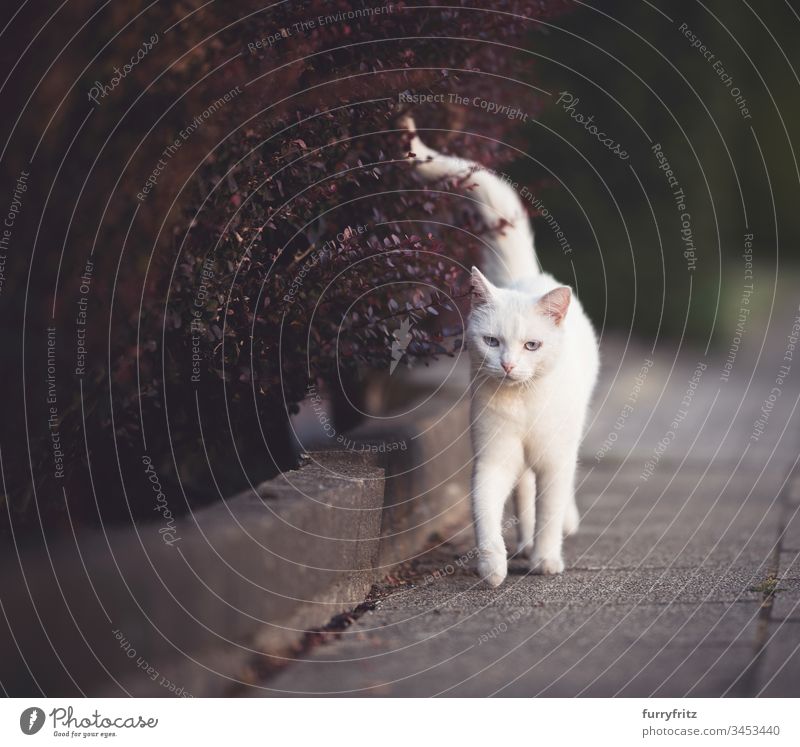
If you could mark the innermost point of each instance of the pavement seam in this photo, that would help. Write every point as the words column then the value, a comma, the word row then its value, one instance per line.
column 749, row 684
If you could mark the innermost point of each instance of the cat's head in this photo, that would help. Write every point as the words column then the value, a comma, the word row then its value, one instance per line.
column 512, row 335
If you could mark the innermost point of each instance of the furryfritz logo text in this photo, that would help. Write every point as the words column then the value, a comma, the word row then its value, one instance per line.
column 31, row 720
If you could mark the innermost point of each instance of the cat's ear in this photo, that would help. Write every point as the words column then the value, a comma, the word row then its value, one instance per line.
column 555, row 303
column 482, row 289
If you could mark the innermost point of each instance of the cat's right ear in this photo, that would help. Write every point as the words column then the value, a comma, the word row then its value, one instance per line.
column 555, row 303
column 482, row 289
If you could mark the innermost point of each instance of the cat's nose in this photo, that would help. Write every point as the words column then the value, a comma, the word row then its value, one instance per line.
column 508, row 367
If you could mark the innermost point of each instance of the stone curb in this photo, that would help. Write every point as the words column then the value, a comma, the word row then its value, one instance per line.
column 128, row 612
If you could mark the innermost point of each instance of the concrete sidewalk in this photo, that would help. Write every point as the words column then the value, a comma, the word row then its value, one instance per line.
column 683, row 579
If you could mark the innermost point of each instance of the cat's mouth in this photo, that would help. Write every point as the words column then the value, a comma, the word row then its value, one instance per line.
column 509, row 379
column 516, row 380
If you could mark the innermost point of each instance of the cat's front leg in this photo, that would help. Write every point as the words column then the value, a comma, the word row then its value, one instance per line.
column 495, row 472
column 555, row 483
column 525, row 504
column 572, row 518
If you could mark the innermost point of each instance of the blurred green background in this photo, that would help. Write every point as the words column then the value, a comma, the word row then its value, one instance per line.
column 634, row 69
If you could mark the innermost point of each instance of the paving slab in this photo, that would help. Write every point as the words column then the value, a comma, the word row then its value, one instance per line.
column 670, row 583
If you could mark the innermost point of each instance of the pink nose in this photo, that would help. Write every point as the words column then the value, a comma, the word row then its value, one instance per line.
column 508, row 367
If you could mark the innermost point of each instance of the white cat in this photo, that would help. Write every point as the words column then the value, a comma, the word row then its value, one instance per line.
column 535, row 360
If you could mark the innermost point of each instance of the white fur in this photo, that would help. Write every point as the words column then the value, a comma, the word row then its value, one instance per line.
column 528, row 407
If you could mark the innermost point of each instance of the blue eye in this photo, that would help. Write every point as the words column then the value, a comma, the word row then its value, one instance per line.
column 492, row 342
column 533, row 345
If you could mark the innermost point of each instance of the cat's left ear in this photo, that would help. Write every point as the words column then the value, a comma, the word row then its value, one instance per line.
column 482, row 289
column 555, row 304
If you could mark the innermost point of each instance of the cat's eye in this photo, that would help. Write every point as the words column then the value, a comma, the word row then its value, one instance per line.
column 492, row 342
column 533, row 345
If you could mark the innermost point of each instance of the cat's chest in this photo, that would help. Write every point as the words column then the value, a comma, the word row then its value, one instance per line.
column 526, row 414
column 534, row 416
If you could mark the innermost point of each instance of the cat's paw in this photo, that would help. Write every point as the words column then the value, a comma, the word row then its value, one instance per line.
column 493, row 569
column 546, row 566
column 572, row 520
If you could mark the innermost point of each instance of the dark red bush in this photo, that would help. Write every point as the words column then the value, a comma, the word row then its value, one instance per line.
column 301, row 241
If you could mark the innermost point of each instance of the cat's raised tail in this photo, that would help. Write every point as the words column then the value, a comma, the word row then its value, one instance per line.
column 511, row 254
